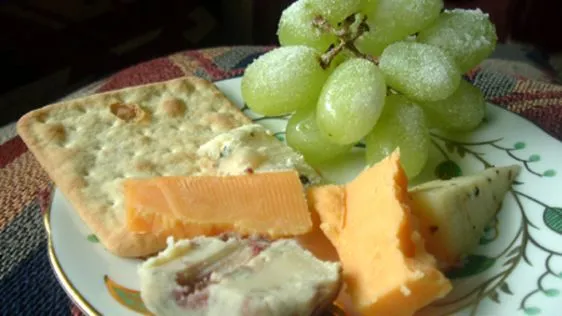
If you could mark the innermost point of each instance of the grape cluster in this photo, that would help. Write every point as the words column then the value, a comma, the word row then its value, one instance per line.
column 383, row 72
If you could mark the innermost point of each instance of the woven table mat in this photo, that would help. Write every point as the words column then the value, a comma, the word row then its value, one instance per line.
column 27, row 283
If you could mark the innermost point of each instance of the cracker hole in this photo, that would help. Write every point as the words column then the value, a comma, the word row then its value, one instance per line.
column 41, row 117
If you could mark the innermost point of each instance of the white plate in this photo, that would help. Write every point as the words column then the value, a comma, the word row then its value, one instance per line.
column 517, row 270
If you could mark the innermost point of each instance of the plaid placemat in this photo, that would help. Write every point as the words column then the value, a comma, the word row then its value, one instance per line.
column 27, row 284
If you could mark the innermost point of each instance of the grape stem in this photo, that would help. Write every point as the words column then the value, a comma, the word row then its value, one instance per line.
column 347, row 36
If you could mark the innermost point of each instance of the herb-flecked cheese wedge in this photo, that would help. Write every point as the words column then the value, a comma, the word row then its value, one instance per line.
column 453, row 213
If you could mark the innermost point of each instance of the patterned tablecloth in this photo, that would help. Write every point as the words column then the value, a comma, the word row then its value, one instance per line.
column 27, row 284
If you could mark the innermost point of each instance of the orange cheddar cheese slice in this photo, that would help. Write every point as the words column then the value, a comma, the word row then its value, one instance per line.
column 315, row 241
column 385, row 266
column 271, row 204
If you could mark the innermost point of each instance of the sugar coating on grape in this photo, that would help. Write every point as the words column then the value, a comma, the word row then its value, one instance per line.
column 463, row 111
column 303, row 135
column 296, row 28
column 467, row 35
column 334, row 11
column 402, row 125
column 351, row 101
column 420, row 71
column 377, row 39
column 404, row 17
column 394, row 20
column 283, row 80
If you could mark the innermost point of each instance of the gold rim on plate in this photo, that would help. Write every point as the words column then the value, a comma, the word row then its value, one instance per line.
column 66, row 284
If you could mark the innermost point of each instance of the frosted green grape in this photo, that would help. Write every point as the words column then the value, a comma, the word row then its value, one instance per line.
column 351, row 101
column 295, row 28
column 368, row 6
column 420, row 71
column 376, row 40
column 394, row 20
column 463, row 111
column 402, row 125
column 303, row 135
column 334, row 11
column 467, row 35
column 283, row 80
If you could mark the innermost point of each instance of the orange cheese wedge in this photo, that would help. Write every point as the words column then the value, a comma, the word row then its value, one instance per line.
column 315, row 241
column 385, row 266
column 269, row 204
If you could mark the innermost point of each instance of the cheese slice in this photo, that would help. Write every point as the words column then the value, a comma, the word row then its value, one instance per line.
column 253, row 147
column 231, row 276
column 315, row 241
column 454, row 213
column 385, row 266
column 271, row 204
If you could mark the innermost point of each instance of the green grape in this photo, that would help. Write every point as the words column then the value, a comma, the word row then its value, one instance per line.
column 467, row 35
column 351, row 101
column 296, row 28
column 334, row 11
column 422, row 72
column 376, row 40
column 341, row 57
column 402, row 125
column 303, row 135
column 368, row 6
column 394, row 20
column 463, row 111
column 283, row 80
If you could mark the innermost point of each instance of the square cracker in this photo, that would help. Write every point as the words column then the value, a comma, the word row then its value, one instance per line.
column 89, row 145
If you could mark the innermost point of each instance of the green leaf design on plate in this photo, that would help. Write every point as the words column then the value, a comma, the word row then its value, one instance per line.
column 448, row 169
column 505, row 288
column 490, row 233
column 125, row 296
column 551, row 292
column 534, row 158
column 519, row 145
column 488, row 237
column 472, row 264
column 549, row 173
column 532, row 311
column 494, row 296
column 552, row 217
column 92, row 238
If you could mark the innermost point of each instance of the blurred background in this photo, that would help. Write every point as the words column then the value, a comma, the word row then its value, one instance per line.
column 48, row 48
